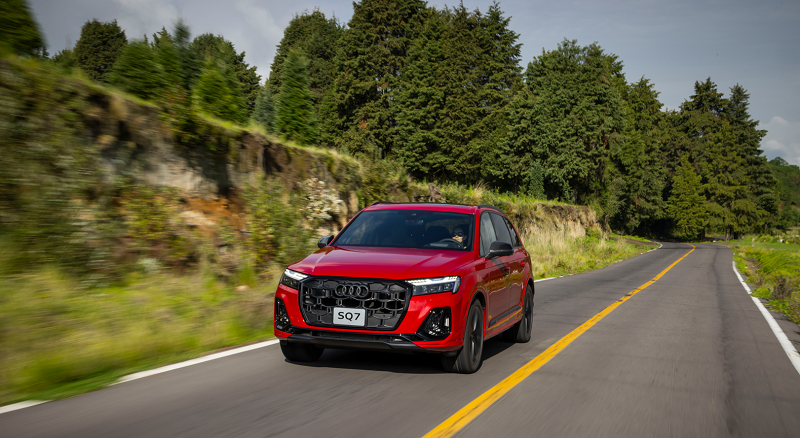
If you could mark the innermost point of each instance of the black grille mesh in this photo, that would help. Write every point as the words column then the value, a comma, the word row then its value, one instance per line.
column 385, row 301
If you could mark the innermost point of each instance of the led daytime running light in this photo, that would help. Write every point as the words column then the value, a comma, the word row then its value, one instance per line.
column 425, row 286
column 294, row 275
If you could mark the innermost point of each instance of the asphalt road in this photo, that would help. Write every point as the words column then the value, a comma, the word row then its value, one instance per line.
column 689, row 356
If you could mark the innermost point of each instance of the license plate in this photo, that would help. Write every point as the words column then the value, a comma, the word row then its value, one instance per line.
column 345, row 316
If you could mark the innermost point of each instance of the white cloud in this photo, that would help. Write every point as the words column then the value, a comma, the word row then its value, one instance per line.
column 140, row 17
column 782, row 140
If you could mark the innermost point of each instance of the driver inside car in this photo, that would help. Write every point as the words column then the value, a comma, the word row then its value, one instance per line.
column 460, row 236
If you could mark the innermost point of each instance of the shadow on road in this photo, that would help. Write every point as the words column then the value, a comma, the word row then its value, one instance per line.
column 395, row 362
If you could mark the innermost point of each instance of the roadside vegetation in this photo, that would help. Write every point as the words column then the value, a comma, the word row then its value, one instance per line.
column 772, row 263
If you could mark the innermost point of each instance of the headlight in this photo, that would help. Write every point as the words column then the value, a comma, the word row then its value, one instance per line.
column 435, row 285
column 292, row 279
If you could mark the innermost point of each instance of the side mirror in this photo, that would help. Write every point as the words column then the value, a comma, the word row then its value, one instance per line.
column 324, row 241
column 499, row 249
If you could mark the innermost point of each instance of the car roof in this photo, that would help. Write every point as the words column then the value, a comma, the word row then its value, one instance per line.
column 450, row 208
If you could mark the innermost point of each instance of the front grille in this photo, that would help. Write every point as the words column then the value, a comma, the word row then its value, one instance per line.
column 385, row 301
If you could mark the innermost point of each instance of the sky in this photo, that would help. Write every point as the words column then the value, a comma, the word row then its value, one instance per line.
column 674, row 43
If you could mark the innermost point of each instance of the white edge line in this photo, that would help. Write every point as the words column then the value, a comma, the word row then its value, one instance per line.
column 794, row 356
column 164, row 369
column 21, row 405
column 187, row 363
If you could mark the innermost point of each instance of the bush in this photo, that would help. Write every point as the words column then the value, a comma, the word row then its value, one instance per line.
column 276, row 226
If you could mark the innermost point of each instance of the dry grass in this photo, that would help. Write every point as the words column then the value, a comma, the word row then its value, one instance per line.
column 58, row 339
column 556, row 252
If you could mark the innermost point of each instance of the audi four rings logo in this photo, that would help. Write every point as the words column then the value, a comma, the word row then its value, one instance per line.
column 352, row 290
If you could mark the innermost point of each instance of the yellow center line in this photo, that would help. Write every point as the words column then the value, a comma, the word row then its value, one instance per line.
column 469, row 412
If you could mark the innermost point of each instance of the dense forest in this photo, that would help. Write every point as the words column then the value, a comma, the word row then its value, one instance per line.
column 444, row 93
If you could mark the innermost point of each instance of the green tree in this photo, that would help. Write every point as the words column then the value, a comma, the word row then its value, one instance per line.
column 99, row 47
column 137, row 72
column 634, row 171
column 216, row 47
column 217, row 93
column 438, row 97
column 295, row 116
column 65, row 60
column 264, row 112
column 565, row 116
column 316, row 37
column 359, row 115
column 686, row 206
column 19, row 31
column 762, row 188
column 459, row 75
column 713, row 146
column 536, row 181
column 788, row 176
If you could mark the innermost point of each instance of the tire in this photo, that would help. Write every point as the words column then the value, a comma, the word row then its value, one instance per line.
column 521, row 331
column 470, row 358
column 301, row 352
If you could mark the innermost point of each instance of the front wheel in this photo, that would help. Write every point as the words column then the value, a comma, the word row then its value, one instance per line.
column 470, row 358
column 301, row 352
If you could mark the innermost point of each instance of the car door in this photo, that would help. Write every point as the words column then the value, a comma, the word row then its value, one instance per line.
column 504, row 235
column 492, row 275
column 515, row 264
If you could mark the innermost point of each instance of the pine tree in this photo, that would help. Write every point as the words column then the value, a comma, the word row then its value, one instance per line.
column 634, row 172
column 686, row 206
column 188, row 59
column 99, row 47
column 65, row 60
column 748, row 136
column 216, row 47
column 264, row 112
column 217, row 93
column 565, row 116
column 166, row 54
column 372, row 52
column 536, row 181
column 316, row 37
column 295, row 117
column 438, row 97
column 137, row 72
column 713, row 146
column 19, row 31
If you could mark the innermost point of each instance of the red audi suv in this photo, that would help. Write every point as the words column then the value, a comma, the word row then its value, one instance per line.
column 435, row 278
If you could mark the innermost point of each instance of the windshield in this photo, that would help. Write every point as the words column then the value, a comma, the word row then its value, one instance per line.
column 410, row 229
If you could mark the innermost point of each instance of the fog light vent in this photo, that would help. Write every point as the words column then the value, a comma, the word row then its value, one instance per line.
column 282, row 321
column 436, row 325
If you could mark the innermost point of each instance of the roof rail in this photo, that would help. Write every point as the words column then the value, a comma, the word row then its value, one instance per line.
column 490, row 206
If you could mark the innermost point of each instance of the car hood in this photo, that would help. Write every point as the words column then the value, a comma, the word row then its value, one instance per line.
column 388, row 263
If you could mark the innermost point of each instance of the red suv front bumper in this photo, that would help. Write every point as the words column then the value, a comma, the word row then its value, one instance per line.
column 403, row 338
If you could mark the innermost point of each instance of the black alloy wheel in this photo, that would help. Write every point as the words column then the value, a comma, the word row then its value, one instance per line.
column 470, row 358
column 301, row 352
column 521, row 331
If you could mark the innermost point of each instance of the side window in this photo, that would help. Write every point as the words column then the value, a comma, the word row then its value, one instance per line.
column 514, row 237
column 487, row 233
column 501, row 229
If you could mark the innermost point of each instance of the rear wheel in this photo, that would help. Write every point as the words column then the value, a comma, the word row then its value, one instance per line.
column 521, row 331
column 470, row 358
column 301, row 352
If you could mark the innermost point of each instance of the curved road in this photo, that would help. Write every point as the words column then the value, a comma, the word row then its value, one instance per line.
column 689, row 356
